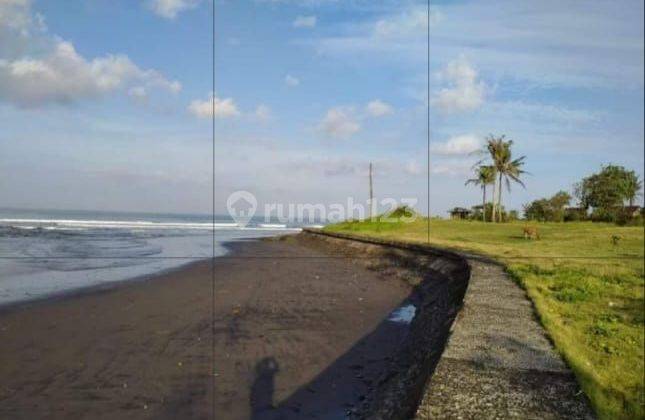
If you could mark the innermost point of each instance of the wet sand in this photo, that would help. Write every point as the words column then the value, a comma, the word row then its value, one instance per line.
column 298, row 331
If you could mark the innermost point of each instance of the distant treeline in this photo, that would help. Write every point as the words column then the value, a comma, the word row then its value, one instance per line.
column 605, row 196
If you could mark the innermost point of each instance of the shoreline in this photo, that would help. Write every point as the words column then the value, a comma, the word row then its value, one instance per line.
column 46, row 264
column 110, row 285
column 278, row 329
column 95, row 288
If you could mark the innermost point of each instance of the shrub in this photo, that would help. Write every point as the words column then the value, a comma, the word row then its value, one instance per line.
column 624, row 217
column 575, row 214
column 604, row 215
column 402, row 212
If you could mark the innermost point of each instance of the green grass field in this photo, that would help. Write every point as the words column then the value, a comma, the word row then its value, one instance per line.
column 588, row 292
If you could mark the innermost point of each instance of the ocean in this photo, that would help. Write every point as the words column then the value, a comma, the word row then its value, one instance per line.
column 52, row 252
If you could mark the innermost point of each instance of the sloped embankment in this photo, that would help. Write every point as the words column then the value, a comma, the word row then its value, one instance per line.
column 440, row 280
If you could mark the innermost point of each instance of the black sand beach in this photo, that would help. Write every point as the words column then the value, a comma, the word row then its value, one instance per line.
column 298, row 332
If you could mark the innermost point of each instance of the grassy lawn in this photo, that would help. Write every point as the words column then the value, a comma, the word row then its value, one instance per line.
column 588, row 292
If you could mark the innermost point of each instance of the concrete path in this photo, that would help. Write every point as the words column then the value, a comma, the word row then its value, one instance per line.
column 498, row 362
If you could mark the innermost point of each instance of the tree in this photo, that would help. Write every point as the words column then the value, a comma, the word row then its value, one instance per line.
column 608, row 189
column 537, row 210
column 551, row 209
column 557, row 204
column 484, row 175
column 632, row 187
column 507, row 169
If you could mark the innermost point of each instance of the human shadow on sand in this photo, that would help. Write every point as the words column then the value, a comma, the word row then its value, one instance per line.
column 384, row 372
column 262, row 390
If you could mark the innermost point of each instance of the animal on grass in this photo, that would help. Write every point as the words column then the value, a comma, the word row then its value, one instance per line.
column 531, row 233
column 615, row 239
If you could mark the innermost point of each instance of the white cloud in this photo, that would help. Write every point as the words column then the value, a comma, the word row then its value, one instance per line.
column 398, row 34
column 64, row 76
column 544, row 113
column 15, row 15
column 412, row 22
column 458, row 145
column 139, row 94
column 378, row 108
column 291, row 80
column 300, row 3
column 465, row 93
column 262, row 113
column 412, row 168
column 340, row 123
column 348, row 167
column 39, row 68
column 305, row 22
column 169, row 9
column 451, row 168
column 547, row 43
column 214, row 107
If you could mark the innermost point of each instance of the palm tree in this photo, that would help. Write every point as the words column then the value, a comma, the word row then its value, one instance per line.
column 495, row 148
column 632, row 187
column 506, row 168
column 485, row 175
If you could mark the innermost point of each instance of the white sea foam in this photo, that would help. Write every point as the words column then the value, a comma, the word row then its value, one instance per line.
column 286, row 229
column 225, row 225
column 57, row 253
column 71, row 224
column 135, row 224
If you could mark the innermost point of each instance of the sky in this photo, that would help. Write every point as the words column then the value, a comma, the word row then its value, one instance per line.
column 108, row 104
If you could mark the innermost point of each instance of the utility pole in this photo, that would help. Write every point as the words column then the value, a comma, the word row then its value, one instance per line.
column 371, row 194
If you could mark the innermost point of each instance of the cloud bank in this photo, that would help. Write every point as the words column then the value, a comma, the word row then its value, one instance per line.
column 54, row 72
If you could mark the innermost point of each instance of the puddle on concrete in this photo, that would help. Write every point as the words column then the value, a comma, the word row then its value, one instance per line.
column 403, row 314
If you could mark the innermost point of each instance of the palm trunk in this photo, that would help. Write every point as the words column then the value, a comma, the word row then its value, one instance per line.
column 499, row 199
column 484, row 204
column 492, row 216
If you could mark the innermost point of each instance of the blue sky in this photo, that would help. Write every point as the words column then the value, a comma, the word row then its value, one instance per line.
column 107, row 104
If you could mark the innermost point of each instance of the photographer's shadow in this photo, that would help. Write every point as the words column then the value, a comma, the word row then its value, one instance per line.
column 263, row 388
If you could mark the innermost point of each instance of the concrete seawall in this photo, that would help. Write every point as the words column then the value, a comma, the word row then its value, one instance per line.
column 438, row 294
column 499, row 362
column 475, row 349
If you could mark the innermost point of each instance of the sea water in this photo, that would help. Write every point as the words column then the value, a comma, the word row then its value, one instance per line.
column 44, row 253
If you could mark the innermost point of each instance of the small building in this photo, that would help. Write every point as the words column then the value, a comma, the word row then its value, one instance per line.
column 459, row 213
